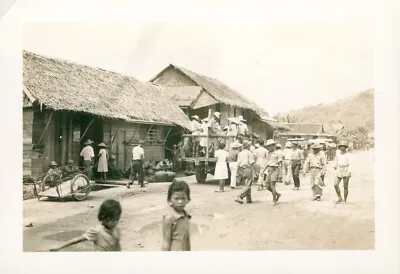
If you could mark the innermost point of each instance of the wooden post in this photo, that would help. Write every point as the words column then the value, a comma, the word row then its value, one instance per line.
column 70, row 134
column 87, row 128
column 113, row 138
column 64, row 138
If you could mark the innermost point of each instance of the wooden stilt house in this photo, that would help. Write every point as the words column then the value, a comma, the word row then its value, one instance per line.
column 66, row 103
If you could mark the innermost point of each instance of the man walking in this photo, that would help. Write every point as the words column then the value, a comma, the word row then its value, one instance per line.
column 287, row 164
column 343, row 170
column 245, row 163
column 316, row 163
column 272, row 170
column 260, row 157
column 233, row 165
column 137, row 165
column 297, row 159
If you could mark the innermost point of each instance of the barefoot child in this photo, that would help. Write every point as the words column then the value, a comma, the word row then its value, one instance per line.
column 176, row 223
column 342, row 167
column 106, row 235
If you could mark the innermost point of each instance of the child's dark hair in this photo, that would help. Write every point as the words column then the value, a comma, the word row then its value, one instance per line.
column 261, row 142
column 221, row 145
column 109, row 210
column 178, row 186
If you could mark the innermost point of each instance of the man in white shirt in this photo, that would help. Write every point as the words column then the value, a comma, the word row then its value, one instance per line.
column 242, row 128
column 287, row 164
column 343, row 170
column 245, row 163
column 261, row 160
column 137, row 164
column 87, row 154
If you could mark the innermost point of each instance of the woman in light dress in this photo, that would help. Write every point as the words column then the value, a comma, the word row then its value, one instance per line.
column 221, row 167
column 102, row 166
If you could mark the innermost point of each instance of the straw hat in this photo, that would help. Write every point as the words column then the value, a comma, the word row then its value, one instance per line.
column 88, row 142
column 70, row 161
column 236, row 144
column 196, row 117
column 270, row 142
column 141, row 142
column 240, row 118
column 316, row 146
column 226, row 128
column 205, row 119
column 53, row 163
column 246, row 143
column 217, row 114
column 234, row 120
column 343, row 143
column 279, row 145
column 102, row 145
column 288, row 144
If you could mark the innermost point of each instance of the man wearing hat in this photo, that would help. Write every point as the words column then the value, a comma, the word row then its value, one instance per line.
column 195, row 128
column 287, row 164
column 69, row 170
column 316, row 164
column 272, row 170
column 87, row 154
column 343, row 170
column 233, row 157
column 137, row 164
column 297, row 159
column 260, row 154
column 214, row 123
column 233, row 127
column 245, row 164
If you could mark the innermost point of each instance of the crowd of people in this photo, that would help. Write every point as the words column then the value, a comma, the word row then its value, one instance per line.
column 250, row 162
column 266, row 164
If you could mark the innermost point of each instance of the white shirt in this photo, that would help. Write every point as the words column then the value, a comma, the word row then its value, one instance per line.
column 195, row 127
column 87, row 153
column 343, row 160
column 287, row 154
column 137, row 153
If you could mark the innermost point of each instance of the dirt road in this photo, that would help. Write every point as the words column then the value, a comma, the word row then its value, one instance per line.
column 218, row 222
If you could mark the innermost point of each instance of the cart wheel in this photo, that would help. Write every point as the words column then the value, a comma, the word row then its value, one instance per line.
column 80, row 187
column 201, row 173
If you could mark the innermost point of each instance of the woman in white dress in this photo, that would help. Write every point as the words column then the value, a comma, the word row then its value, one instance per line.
column 102, row 166
column 221, row 167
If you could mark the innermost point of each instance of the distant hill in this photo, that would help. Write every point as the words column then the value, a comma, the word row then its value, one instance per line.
column 355, row 113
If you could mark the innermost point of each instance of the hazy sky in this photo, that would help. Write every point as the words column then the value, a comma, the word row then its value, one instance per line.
column 280, row 64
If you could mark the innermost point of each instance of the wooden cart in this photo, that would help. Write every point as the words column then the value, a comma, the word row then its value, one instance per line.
column 77, row 186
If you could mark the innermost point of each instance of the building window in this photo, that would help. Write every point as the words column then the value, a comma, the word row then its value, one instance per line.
column 218, row 107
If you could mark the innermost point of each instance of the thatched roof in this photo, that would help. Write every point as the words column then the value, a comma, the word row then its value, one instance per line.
column 184, row 96
column 63, row 85
column 218, row 90
column 275, row 124
column 305, row 129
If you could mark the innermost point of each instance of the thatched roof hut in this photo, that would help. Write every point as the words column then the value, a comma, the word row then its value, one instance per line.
column 63, row 85
column 218, row 90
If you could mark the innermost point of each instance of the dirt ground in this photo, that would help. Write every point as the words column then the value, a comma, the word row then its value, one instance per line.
column 296, row 223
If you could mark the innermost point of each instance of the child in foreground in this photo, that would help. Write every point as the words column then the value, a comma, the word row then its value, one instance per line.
column 176, row 223
column 106, row 235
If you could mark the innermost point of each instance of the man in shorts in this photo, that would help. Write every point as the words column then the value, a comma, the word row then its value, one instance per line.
column 272, row 172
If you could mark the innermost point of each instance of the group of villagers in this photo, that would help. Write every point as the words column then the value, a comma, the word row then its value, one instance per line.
column 88, row 157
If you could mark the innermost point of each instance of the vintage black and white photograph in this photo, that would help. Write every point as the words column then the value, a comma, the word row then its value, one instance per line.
column 179, row 136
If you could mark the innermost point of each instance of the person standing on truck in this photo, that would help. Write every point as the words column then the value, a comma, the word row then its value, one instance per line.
column 137, row 164
column 195, row 129
column 242, row 127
